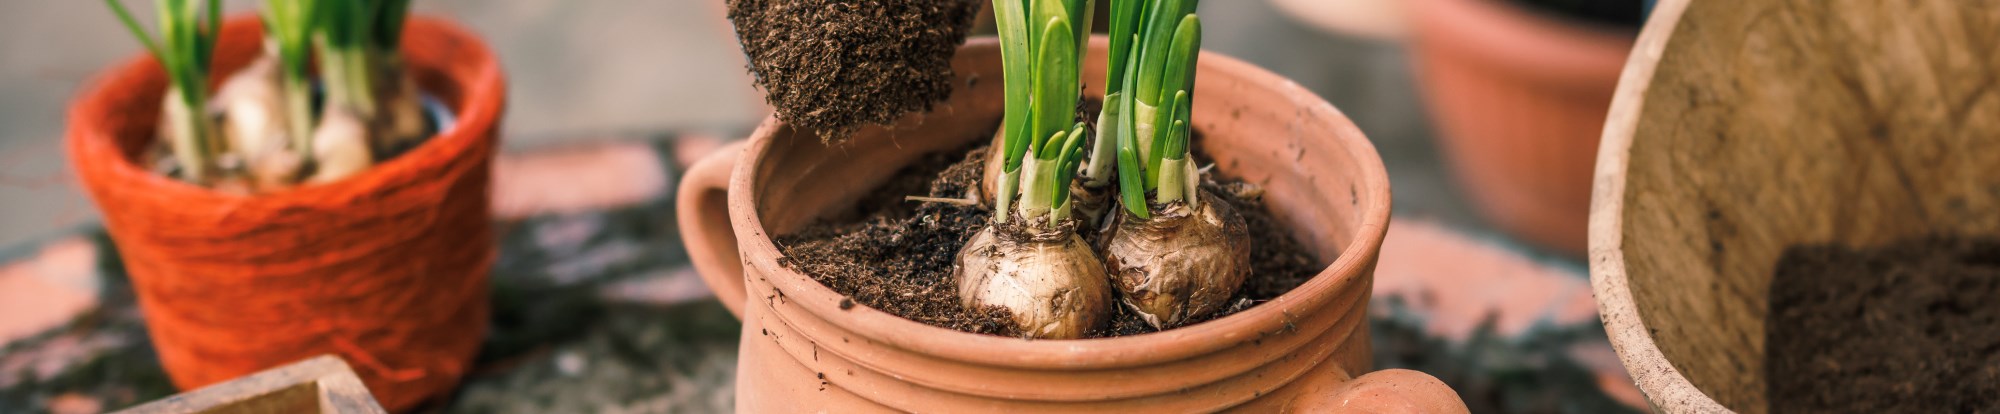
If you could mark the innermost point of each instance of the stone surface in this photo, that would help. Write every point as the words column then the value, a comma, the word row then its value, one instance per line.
column 1474, row 299
column 672, row 359
column 578, row 178
column 680, row 284
column 75, row 404
column 1480, row 280
column 47, row 289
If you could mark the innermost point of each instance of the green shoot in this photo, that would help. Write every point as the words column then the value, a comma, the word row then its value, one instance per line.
column 346, row 35
column 1177, row 179
column 1124, row 18
column 1041, row 53
column 1155, row 101
column 1008, row 16
column 185, row 48
column 290, row 29
column 1071, row 157
column 1158, row 30
column 1178, row 77
column 1055, row 82
column 389, row 18
column 125, row 16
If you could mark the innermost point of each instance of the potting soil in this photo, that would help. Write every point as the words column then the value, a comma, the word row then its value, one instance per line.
column 833, row 65
column 1910, row 327
column 896, row 256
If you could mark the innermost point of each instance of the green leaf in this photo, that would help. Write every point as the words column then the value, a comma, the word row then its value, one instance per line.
column 1162, row 138
column 214, row 26
column 1131, row 174
column 1154, row 38
column 125, row 16
column 1157, row 68
column 1055, row 86
column 1173, row 180
column 179, row 40
column 1070, row 153
column 1179, row 134
column 1040, row 11
column 1014, row 58
column 1081, row 14
column 1066, row 162
column 389, row 24
column 183, row 46
column 1140, row 11
column 290, row 23
column 1124, row 19
column 1181, row 56
column 1176, row 81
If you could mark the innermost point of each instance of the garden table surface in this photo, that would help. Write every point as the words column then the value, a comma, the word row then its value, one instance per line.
column 597, row 310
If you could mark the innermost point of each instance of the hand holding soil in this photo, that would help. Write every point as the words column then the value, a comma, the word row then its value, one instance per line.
column 833, row 66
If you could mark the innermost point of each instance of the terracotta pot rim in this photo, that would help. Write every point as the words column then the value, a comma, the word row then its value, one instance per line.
column 95, row 140
column 1651, row 370
column 1353, row 262
column 1524, row 43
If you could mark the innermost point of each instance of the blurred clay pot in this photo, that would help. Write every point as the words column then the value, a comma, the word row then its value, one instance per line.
column 1519, row 100
column 1301, row 352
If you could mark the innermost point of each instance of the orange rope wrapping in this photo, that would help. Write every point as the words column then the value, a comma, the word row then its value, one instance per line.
column 387, row 268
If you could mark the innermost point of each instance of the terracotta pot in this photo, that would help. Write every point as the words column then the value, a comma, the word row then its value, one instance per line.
column 802, row 351
column 386, row 268
column 1519, row 101
column 1848, row 127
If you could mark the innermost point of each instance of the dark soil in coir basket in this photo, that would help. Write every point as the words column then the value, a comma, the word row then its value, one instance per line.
column 832, row 65
column 1910, row 327
column 896, row 255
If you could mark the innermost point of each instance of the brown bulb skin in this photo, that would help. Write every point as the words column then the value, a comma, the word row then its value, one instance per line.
column 1180, row 265
column 1049, row 279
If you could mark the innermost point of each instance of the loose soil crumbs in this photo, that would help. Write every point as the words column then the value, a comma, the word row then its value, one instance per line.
column 1911, row 327
column 833, row 65
column 896, row 256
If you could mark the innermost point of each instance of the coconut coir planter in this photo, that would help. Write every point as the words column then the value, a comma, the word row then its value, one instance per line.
column 1763, row 222
column 386, row 268
column 806, row 346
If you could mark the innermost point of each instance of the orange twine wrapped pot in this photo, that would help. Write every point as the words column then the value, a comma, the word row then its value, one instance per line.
column 387, row 268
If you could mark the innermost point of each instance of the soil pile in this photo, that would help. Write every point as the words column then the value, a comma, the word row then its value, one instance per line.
column 1911, row 327
column 833, row 65
column 896, row 255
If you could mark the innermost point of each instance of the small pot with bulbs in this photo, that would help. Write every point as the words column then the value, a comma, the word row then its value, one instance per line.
column 805, row 346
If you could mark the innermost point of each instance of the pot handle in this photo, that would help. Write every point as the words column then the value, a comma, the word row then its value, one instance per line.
column 702, row 209
column 1389, row 391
